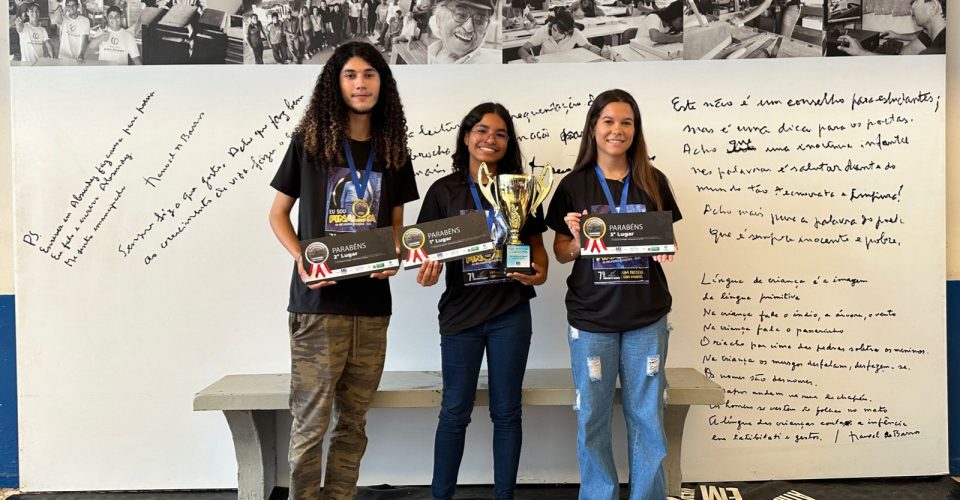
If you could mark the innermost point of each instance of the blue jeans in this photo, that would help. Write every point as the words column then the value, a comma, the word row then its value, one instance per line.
column 506, row 339
column 638, row 357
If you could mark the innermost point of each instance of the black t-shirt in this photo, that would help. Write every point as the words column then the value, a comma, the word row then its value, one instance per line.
column 938, row 45
column 612, row 294
column 476, row 288
column 326, row 196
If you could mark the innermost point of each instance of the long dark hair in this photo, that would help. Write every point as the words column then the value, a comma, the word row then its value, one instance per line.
column 325, row 121
column 641, row 169
column 670, row 12
column 512, row 162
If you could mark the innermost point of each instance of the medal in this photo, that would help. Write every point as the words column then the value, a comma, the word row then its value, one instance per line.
column 361, row 207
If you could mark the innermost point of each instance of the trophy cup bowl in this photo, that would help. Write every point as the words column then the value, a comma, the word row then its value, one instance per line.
column 516, row 196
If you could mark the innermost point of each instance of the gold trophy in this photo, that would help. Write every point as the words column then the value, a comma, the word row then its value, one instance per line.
column 517, row 196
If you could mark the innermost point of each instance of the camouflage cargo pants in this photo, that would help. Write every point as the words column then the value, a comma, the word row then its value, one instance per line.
column 336, row 364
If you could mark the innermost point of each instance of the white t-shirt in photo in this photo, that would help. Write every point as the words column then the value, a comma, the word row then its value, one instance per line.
column 72, row 32
column 650, row 22
column 117, row 46
column 548, row 45
column 31, row 42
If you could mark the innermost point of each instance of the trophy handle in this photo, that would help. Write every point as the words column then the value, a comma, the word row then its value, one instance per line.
column 544, row 183
column 488, row 188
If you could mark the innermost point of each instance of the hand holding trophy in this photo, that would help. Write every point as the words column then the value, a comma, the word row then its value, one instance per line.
column 516, row 196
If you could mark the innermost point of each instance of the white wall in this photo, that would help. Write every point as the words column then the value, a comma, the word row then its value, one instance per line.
column 129, row 343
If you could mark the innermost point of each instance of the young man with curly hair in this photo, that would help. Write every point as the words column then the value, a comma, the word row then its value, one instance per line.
column 349, row 168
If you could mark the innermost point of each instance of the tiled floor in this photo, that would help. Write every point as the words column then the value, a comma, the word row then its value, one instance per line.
column 932, row 488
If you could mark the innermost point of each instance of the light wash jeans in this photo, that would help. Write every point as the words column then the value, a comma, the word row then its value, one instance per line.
column 638, row 357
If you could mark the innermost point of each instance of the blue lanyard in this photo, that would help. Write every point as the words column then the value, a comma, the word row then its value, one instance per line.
column 476, row 201
column 606, row 191
column 359, row 183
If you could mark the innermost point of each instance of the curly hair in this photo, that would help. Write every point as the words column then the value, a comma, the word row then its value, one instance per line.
column 512, row 162
column 641, row 168
column 324, row 123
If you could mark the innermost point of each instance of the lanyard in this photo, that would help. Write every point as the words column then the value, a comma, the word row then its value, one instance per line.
column 476, row 201
column 606, row 191
column 360, row 184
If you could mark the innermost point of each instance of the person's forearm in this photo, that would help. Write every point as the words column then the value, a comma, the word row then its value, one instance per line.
column 565, row 249
column 904, row 37
column 526, row 51
column 756, row 12
column 396, row 220
column 283, row 229
column 573, row 251
column 661, row 37
column 540, row 255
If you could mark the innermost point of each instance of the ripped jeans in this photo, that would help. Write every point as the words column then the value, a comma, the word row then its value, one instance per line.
column 638, row 357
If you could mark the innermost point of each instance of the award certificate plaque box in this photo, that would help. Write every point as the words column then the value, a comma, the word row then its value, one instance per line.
column 349, row 255
column 614, row 235
column 445, row 239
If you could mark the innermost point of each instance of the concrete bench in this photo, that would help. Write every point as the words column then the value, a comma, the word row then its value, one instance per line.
column 249, row 403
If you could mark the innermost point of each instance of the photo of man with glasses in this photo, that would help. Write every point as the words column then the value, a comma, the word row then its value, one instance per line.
column 466, row 33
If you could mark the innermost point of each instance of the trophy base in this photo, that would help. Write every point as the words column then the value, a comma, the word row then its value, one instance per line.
column 517, row 259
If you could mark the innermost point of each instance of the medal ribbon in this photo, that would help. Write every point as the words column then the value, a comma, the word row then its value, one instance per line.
column 614, row 209
column 596, row 245
column 359, row 183
column 322, row 270
column 476, row 201
column 416, row 255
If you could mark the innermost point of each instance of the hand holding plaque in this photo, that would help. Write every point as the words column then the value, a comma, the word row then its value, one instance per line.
column 348, row 255
column 446, row 239
column 517, row 196
column 623, row 234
